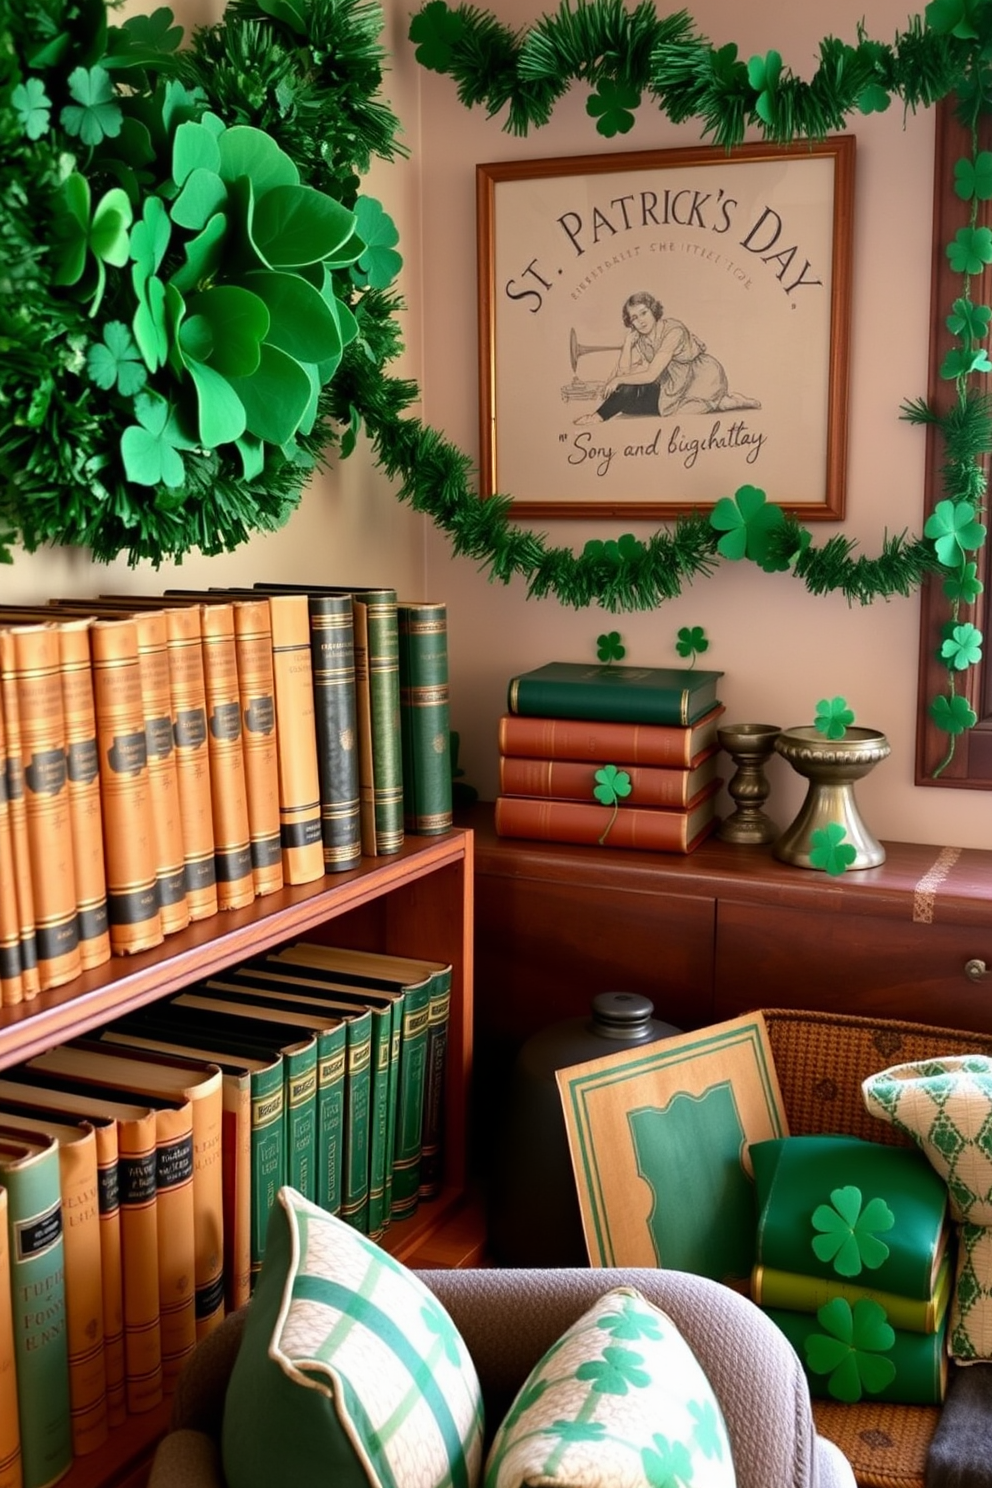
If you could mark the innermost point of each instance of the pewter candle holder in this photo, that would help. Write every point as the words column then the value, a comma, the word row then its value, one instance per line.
column 749, row 745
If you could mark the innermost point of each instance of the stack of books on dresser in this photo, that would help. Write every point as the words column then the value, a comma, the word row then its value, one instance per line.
column 568, row 722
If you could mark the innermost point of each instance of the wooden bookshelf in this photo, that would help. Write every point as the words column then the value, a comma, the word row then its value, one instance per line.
column 416, row 902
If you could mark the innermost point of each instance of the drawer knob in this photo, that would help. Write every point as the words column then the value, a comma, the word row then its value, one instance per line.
column 975, row 969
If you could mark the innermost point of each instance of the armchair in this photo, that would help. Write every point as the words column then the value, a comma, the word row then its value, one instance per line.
column 508, row 1318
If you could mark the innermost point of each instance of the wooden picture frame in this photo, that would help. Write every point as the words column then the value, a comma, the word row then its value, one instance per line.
column 720, row 281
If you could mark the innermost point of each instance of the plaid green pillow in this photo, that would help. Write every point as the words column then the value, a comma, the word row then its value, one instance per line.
column 619, row 1401
column 351, row 1372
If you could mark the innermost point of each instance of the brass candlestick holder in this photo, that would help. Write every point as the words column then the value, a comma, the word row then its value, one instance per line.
column 749, row 745
column 832, row 766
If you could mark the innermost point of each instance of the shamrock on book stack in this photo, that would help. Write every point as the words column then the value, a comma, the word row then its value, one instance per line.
column 617, row 755
column 853, row 1264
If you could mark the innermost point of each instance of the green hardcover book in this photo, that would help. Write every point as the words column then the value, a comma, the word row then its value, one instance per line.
column 621, row 694
column 330, row 1028
column 332, row 645
column 425, row 731
column 918, row 1360
column 289, row 984
column 796, row 1292
column 298, row 1047
column 373, row 970
column 159, row 1027
column 29, row 1171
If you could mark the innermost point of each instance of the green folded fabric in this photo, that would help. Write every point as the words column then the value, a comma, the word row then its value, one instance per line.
column 841, row 1207
column 853, row 1355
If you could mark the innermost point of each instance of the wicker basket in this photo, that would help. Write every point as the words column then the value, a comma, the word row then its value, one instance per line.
column 821, row 1060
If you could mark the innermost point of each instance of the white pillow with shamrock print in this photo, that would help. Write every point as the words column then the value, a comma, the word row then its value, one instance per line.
column 620, row 1401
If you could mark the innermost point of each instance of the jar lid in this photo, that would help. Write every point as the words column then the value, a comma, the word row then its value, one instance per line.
column 622, row 1015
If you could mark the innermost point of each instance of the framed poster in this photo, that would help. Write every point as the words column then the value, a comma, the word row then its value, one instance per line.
column 659, row 1135
column 658, row 329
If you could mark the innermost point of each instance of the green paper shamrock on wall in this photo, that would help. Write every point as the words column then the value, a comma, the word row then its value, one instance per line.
column 610, row 647
column 847, row 1235
column 692, row 641
column 850, row 1349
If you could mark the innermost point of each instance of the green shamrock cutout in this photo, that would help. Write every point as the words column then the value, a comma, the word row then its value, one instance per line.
column 962, row 648
column 953, row 18
column 874, row 99
column 33, row 107
column 763, row 73
column 968, row 319
column 833, row 717
column 153, row 34
column 829, row 851
column 692, row 642
column 378, row 263
column 747, row 522
column 961, row 361
column 614, row 550
column 965, row 586
column 609, row 646
column 151, row 447
column 95, row 115
column 953, row 714
column 971, row 250
column 436, row 31
column 115, row 361
column 612, row 784
column 973, row 178
column 954, row 528
column 850, row 1349
column 612, row 107
column 847, row 1231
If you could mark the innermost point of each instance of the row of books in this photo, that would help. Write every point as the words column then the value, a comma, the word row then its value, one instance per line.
column 656, row 726
column 165, row 757
column 138, row 1167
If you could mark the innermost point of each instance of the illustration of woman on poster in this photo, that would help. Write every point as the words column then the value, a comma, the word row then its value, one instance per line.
column 663, row 369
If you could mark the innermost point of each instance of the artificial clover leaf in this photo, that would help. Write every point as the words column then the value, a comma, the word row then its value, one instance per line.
column 829, row 851
column 33, row 107
column 612, row 784
column 293, row 16
column 955, row 530
column 155, row 33
column 971, row 250
column 953, row 18
column 436, row 31
column 847, row 1231
column 151, row 447
column 961, row 362
column 747, row 522
column 964, row 586
column 873, row 100
column 691, row 641
column 96, row 114
column 952, row 714
column 962, row 648
column 378, row 263
column 850, row 1349
column 115, row 361
column 833, row 717
column 763, row 74
column 615, row 550
column 609, row 646
column 973, row 178
column 968, row 319
column 612, row 107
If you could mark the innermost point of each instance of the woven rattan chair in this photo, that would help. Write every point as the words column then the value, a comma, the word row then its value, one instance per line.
column 821, row 1060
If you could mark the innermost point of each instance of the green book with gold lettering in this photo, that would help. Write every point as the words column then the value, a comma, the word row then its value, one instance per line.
column 425, row 732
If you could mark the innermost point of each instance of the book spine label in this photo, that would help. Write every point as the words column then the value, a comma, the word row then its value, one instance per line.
column 432, row 1134
column 85, row 805
column 11, row 984
column 139, row 1253
column 256, row 688
column 176, row 1238
column 14, row 780
column 410, row 1113
column 299, row 783
column 597, row 743
column 132, row 890
column 84, row 1293
column 424, row 717
column 189, row 734
column 163, row 785
column 228, row 790
column 11, row 1466
column 33, row 654
column 384, row 700
column 37, row 1264
column 332, row 641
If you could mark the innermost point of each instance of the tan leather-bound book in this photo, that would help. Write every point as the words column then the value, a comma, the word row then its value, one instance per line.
column 228, row 791
column 256, row 686
column 11, row 985
column 189, row 730
column 31, row 654
column 137, row 1215
column 11, row 1474
column 163, row 785
column 83, row 1273
column 149, row 1075
column 85, row 807
column 299, row 782
column 14, row 776
column 128, row 843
